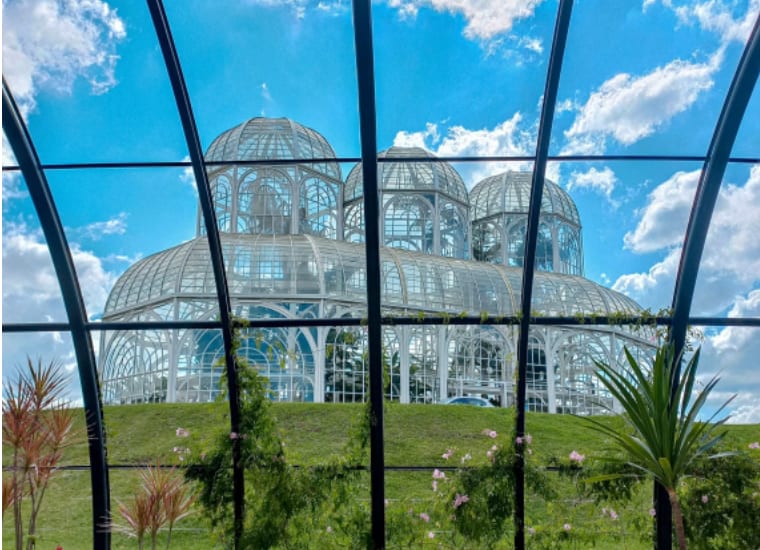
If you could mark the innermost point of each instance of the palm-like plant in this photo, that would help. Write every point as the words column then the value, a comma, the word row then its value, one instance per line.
column 665, row 435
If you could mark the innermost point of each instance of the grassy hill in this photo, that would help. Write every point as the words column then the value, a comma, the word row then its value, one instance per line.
column 415, row 435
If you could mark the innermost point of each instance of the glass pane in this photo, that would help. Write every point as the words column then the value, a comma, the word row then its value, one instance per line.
column 275, row 60
column 31, row 292
column 728, row 281
column 136, row 227
column 746, row 139
column 459, row 80
column 729, row 352
column 633, row 216
column 647, row 80
column 93, row 84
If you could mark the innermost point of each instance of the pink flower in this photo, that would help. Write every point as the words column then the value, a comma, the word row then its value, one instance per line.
column 705, row 498
column 577, row 457
column 234, row 435
column 613, row 515
column 652, row 512
column 466, row 457
column 447, row 455
column 567, row 527
column 531, row 531
column 437, row 474
column 518, row 440
column 492, row 434
column 182, row 432
column 528, row 439
column 459, row 500
column 754, row 445
column 424, row 517
column 431, row 535
column 435, row 485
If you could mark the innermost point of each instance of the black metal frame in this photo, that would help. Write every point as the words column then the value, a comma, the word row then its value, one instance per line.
column 714, row 165
column 60, row 254
column 173, row 67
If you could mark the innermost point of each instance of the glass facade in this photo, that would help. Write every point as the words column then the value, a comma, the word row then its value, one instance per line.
column 280, row 229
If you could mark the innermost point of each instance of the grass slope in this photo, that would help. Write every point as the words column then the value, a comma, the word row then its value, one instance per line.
column 415, row 435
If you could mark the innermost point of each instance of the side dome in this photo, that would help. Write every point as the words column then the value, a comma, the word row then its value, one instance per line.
column 509, row 193
column 425, row 206
column 304, row 197
column 500, row 214
column 409, row 176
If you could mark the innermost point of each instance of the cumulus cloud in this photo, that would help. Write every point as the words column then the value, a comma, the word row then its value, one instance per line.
column 731, row 258
column 509, row 138
column 50, row 43
column 663, row 219
column 628, row 108
column 602, row 181
column 31, row 292
column 715, row 16
column 486, row 19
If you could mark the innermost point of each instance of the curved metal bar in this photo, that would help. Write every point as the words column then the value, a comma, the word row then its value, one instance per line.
column 365, row 74
column 537, row 186
column 173, row 67
column 706, row 196
column 39, row 191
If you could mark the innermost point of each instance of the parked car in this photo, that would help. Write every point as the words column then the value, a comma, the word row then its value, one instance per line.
column 467, row 400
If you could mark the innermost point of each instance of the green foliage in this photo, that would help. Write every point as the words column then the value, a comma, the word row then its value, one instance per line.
column 281, row 502
column 721, row 502
column 664, row 436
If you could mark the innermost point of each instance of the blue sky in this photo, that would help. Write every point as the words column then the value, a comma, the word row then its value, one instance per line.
column 459, row 77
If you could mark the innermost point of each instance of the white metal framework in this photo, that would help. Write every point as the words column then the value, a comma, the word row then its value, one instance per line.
column 281, row 229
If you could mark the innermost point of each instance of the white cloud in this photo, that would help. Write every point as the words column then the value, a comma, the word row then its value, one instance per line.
column 31, row 292
column 628, row 108
column 715, row 16
column 509, row 138
column 485, row 18
column 663, row 219
column 49, row 43
column 731, row 258
column 97, row 230
column 602, row 181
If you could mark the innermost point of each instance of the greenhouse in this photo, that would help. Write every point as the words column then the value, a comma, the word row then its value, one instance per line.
column 284, row 260
column 326, row 274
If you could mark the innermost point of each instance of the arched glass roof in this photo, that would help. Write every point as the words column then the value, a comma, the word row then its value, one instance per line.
column 409, row 176
column 263, row 138
column 509, row 193
column 647, row 113
column 313, row 268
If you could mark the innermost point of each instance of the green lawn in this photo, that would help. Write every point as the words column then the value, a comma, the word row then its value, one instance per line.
column 415, row 435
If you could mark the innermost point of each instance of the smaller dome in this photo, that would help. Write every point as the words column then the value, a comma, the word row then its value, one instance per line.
column 509, row 193
column 409, row 176
column 272, row 138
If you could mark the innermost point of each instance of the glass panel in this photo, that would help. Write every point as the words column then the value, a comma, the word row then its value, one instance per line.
column 658, row 83
column 633, row 217
column 729, row 352
column 728, row 282
column 93, row 84
column 137, row 228
column 282, row 60
column 31, row 292
column 459, row 80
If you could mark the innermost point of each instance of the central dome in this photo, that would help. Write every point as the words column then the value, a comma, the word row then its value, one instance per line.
column 298, row 197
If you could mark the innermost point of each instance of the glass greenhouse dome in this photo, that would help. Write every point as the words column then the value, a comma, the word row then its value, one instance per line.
column 276, row 271
column 379, row 201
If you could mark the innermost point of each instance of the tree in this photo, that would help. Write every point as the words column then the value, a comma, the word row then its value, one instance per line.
column 665, row 436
